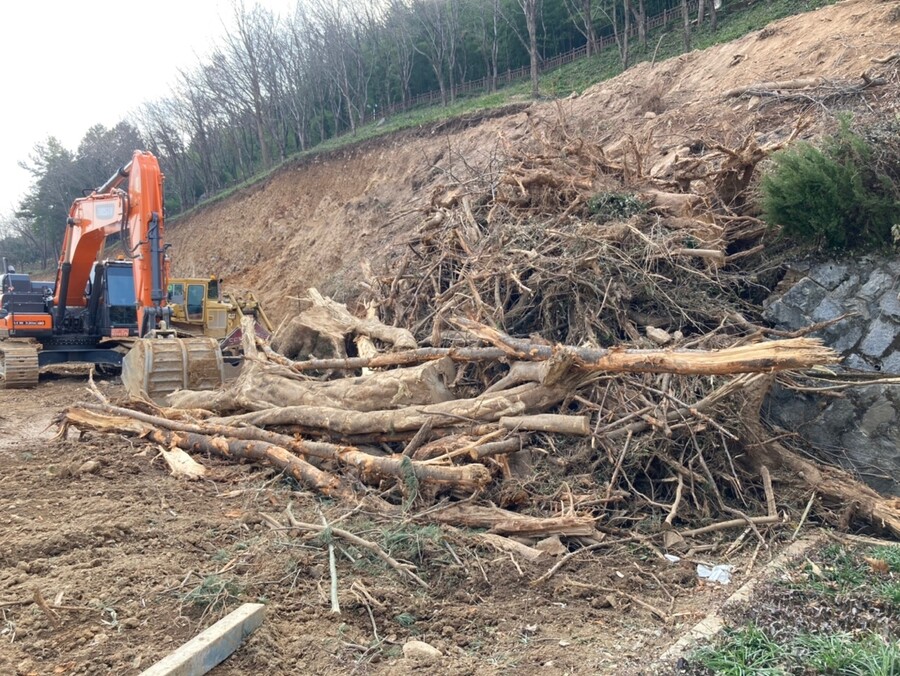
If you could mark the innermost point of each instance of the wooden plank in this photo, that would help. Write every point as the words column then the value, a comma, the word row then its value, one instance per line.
column 211, row 646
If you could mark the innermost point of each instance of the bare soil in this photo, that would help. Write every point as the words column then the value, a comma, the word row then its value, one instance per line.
column 141, row 561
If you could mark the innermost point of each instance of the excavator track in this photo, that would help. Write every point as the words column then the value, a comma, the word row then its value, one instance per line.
column 155, row 367
column 18, row 365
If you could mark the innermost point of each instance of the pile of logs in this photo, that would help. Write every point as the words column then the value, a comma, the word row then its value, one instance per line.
column 402, row 429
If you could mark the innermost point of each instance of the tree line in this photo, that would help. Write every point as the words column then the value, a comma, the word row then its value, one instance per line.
column 275, row 85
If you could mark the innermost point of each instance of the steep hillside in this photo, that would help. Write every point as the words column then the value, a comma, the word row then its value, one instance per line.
column 315, row 222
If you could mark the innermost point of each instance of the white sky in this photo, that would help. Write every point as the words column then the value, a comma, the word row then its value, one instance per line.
column 66, row 65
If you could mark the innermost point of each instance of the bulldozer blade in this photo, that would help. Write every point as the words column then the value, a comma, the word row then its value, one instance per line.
column 233, row 339
column 155, row 367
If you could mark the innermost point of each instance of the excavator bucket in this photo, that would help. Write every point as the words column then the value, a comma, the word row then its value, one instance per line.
column 155, row 367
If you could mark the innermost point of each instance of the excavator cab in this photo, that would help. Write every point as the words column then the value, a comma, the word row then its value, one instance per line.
column 111, row 310
column 23, row 310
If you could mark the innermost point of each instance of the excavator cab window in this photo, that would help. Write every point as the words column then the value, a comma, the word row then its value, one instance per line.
column 195, row 296
column 120, row 295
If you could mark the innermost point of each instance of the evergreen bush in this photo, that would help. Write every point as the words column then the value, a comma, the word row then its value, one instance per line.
column 833, row 195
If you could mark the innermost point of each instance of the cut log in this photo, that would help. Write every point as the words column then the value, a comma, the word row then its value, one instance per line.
column 182, row 465
column 505, row 544
column 405, row 358
column 757, row 87
column 578, row 425
column 278, row 449
column 774, row 355
column 262, row 386
column 511, row 445
column 256, row 451
column 503, row 522
column 525, row 399
column 676, row 203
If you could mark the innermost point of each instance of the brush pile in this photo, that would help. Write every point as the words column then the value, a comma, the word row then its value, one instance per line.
column 567, row 348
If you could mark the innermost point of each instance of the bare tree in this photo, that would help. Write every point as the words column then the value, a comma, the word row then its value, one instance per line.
column 620, row 35
column 402, row 51
column 640, row 16
column 341, row 26
column 486, row 19
column 453, row 40
column 435, row 21
column 686, row 15
column 198, row 112
column 248, row 48
column 296, row 62
column 531, row 9
column 582, row 14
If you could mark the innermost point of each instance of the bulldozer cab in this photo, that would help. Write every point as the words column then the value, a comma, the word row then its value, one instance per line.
column 196, row 303
column 200, row 307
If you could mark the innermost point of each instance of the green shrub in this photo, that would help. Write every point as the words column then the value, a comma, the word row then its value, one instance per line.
column 614, row 206
column 833, row 195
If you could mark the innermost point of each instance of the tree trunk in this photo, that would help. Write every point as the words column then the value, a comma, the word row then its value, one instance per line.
column 262, row 386
column 625, row 53
column 848, row 497
column 686, row 15
column 528, row 398
column 531, row 24
column 773, row 355
column 503, row 522
column 279, row 450
column 590, row 33
column 642, row 23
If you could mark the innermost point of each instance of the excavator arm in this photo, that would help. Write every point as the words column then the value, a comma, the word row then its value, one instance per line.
column 129, row 203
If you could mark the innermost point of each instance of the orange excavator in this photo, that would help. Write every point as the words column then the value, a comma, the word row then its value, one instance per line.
column 109, row 312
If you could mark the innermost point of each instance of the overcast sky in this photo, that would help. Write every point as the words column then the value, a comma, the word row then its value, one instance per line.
column 66, row 65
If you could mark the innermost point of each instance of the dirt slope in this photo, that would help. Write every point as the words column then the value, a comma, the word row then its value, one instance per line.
column 315, row 221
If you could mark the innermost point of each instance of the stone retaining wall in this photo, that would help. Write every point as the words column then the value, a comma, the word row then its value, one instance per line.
column 857, row 427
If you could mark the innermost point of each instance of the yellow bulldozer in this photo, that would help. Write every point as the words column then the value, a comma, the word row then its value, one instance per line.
column 200, row 307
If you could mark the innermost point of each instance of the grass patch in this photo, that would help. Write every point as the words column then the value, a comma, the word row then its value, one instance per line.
column 743, row 651
column 837, row 612
column 410, row 542
column 841, row 571
column 214, row 593
column 751, row 650
column 405, row 620
column 614, row 206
